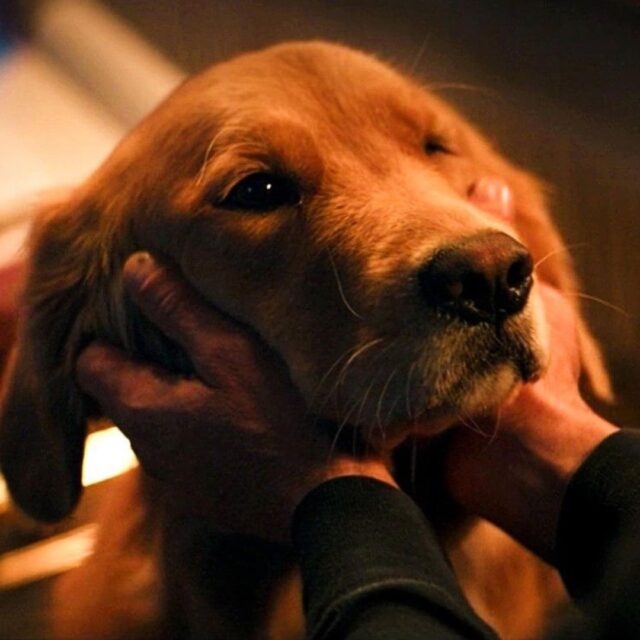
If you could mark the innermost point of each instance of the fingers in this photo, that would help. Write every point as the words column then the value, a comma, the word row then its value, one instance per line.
column 171, row 304
column 145, row 402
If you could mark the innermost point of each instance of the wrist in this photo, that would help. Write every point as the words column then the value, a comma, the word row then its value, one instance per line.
column 343, row 465
column 377, row 469
column 560, row 435
column 518, row 478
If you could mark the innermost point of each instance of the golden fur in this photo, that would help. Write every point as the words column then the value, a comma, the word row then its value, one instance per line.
column 350, row 131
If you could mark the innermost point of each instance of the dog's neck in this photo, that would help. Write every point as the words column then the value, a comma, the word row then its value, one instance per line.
column 224, row 585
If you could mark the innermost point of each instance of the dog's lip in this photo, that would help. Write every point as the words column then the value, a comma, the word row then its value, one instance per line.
column 427, row 424
column 434, row 420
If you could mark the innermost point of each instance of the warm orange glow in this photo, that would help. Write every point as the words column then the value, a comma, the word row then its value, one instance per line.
column 107, row 454
column 48, row 558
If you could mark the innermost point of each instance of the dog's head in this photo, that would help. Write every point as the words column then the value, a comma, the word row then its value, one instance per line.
column 321, row 197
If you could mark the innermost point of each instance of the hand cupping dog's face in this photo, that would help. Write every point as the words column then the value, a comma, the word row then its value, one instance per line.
column 234, row 446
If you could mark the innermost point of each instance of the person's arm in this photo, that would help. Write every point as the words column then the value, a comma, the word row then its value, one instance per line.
column 598, row 535
column 372, row 568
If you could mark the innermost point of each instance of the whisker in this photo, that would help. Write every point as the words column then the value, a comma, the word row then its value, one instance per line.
column 373, row 380
column 496, row 425
column 330, row 370
column 343, row 423
column 341, row 290
column 360, row 404
column 470, row 423
column 604, row 303
column 408, row 390
column 418, row 57
column 381, row 400
column 365, row 397
column 205, row 162
column 318, row 409
column 387, row 418
column 343, row 372
column 555, row 252
column 336, row 437
column 462, row 86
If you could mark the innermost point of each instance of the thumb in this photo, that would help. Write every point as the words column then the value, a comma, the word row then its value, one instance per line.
column 172, row 304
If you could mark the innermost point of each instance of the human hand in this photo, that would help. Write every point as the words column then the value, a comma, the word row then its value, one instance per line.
column 235, row 444
column 516, row 473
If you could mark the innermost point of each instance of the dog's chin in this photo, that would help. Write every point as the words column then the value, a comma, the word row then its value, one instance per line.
column 482, row 397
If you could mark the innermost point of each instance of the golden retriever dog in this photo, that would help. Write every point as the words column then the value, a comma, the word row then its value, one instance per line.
column 321, row 197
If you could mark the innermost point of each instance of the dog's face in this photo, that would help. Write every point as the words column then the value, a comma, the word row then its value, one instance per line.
column 322, row 198
column 328, row 208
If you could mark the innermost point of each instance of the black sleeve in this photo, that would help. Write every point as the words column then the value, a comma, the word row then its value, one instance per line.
column 598, row 537
column 372, row 568
column 600, row 512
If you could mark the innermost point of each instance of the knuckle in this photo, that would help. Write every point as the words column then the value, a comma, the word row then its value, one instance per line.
column 161, row 290
column 169, row 302
column 128, row 406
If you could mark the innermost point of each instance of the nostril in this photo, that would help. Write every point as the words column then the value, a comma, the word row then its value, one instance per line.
column 477, row 291
column 519, row 271
column 512, row 294
column 451, row 283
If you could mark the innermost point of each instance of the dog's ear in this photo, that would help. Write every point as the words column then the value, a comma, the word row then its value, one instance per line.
column 555, row 266
column 42, row 413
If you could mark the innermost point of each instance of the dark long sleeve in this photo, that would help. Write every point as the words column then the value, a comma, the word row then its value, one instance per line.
column 598, row 538
column 372, row 568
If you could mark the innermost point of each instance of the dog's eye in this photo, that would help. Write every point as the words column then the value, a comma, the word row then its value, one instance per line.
column 262, row 192
column 434, row 146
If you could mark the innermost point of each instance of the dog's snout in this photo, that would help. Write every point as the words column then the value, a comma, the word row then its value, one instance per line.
column 485, row 278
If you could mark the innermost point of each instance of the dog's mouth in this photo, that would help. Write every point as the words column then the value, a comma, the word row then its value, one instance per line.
column 483, row 382
column 454, row 376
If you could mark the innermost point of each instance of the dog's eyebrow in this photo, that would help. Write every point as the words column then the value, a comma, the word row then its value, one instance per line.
column 278, row 144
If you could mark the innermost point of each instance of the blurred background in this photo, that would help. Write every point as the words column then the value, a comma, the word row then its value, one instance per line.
column 556, row 85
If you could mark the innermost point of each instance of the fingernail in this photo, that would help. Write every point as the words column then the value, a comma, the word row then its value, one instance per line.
column 493, row 195
column 505, row 202
column 139, row 267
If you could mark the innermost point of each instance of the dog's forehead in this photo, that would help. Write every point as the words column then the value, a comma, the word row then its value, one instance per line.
column 295, row 106
column 314, row 82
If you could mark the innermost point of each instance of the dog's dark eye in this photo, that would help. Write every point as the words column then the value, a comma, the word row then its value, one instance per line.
column 262, row 192
column 434, row 146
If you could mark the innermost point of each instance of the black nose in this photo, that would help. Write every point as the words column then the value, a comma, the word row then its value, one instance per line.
column 484, row 278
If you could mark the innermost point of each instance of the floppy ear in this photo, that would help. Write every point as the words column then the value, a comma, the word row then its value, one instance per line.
column 42, row 413
column 554, row 265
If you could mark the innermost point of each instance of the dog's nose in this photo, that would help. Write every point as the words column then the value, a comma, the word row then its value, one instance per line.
column 484, row 278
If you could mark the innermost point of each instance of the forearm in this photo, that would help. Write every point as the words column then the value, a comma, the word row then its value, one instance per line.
column 597, row 545
column 372, row 567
